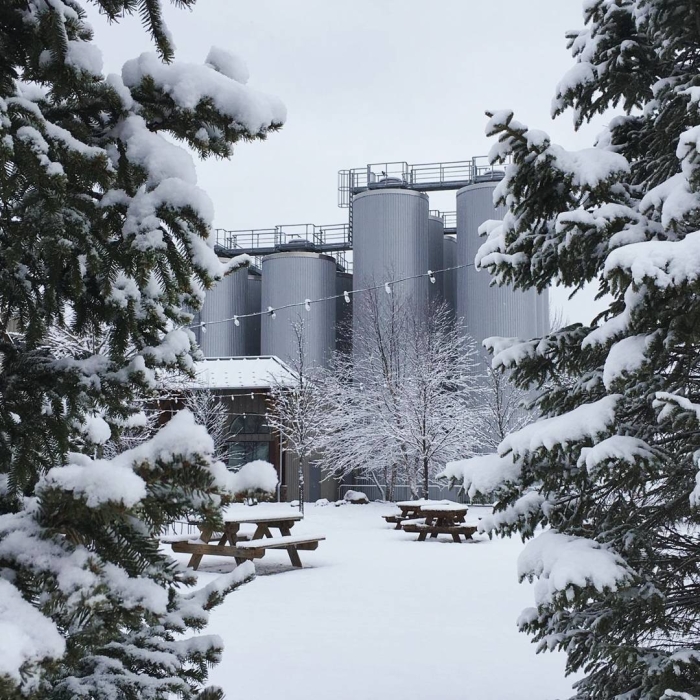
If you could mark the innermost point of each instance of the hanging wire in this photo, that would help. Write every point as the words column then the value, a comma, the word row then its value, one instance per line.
column 271, row 312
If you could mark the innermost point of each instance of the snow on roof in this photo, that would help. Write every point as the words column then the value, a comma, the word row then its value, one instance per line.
column 241, row 373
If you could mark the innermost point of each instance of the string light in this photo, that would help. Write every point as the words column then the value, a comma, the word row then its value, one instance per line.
column 203, row 326
column 271, row 312
column 307, row 304
column 236, row 322
column 431, row 277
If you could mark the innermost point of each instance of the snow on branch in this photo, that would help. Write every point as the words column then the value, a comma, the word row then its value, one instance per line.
column 561, row 561
column 617, row 447
column 255, row 476
column 26, row 636
column 626, row 356
column 662, row 264
column 482, row 474
column 190, row 84
column 584, row 422
column 101, row 481
column 510, row 352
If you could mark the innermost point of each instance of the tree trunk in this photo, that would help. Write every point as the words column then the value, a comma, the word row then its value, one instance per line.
column 426, row 474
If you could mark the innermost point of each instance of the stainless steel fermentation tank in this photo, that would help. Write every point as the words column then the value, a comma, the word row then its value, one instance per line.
column 436, row 232
column 390, row 242
column 291, row 278
column 253, row 306
column 343, row 312
column 484, row 309
column 449, row 259
column 224, row 301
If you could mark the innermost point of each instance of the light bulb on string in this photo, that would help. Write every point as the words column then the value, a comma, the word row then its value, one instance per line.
column 387, row 287
column 204, row 328
column 236, row 322
column 431, row 276
column 347, row 297
column 271, row 311
column 307, row 304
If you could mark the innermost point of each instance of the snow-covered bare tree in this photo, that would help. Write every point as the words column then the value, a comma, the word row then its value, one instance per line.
column 441, row 398
column 405, row 403
column 103, row 231
column 294, row 410
column 505, row 409
column 612, row 466
column 209, row 410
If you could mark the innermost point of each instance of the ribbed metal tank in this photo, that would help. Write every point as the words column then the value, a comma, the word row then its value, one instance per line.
column 490, row 311
column 343, row 312
column 292, row 277
column 436, row 232
column 253, row 305
column 224, row 301
column 390, row 242
column 449, row 259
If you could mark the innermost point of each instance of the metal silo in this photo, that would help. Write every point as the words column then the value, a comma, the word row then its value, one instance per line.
column 343, row 312
column 292, row 277
column 485, row 310
column 224, row 301
column 390, row 242
column 253, row 305
column 436, row 232
column 449, row 259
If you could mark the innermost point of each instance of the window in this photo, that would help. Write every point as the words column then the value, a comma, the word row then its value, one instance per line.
column 240, row 453
column 249, row 424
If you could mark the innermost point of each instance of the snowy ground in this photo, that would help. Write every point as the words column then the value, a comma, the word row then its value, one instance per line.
column 375, row 614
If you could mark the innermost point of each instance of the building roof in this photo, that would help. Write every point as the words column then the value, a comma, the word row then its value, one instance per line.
column 258, row 372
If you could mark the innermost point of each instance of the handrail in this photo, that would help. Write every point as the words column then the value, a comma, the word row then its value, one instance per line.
column 442, row 175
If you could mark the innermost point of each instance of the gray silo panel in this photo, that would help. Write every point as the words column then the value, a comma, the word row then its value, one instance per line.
column 224, row 301
column 343, row 311
column 290, row 278
column 253, row 305
column 390, row 241
column 489, row 310
column 436, row 232
column 449, row 257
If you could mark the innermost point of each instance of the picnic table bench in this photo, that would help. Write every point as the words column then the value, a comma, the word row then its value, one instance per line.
column 442, row 519
column 410, row 510
column 243, row 546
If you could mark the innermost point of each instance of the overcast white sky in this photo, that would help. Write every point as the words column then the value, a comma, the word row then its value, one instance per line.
column 367, row 81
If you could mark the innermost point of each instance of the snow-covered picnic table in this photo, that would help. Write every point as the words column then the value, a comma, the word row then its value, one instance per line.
column 441, row 519
column 411, row 510
column 231, row 542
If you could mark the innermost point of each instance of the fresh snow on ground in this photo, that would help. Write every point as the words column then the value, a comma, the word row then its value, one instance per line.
column 376, row 614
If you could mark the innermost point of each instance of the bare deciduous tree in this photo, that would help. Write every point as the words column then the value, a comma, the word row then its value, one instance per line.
column 210, row 411
column 405, row 403
column 294, row 408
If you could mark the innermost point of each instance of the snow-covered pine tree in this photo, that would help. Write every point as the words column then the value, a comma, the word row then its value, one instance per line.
column 103, row 229
column 612, row 467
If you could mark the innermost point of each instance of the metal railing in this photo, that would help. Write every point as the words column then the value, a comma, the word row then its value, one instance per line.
column 449, row 218
column 264, row 241
column 448, row 175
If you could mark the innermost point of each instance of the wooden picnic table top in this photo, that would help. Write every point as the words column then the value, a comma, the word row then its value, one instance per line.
column 443, row 510
column 420, row 502
column 252, row 518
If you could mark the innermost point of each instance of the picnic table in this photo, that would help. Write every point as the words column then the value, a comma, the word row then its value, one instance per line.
column 411, row 510
column 441, row 519
column 242, row 546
